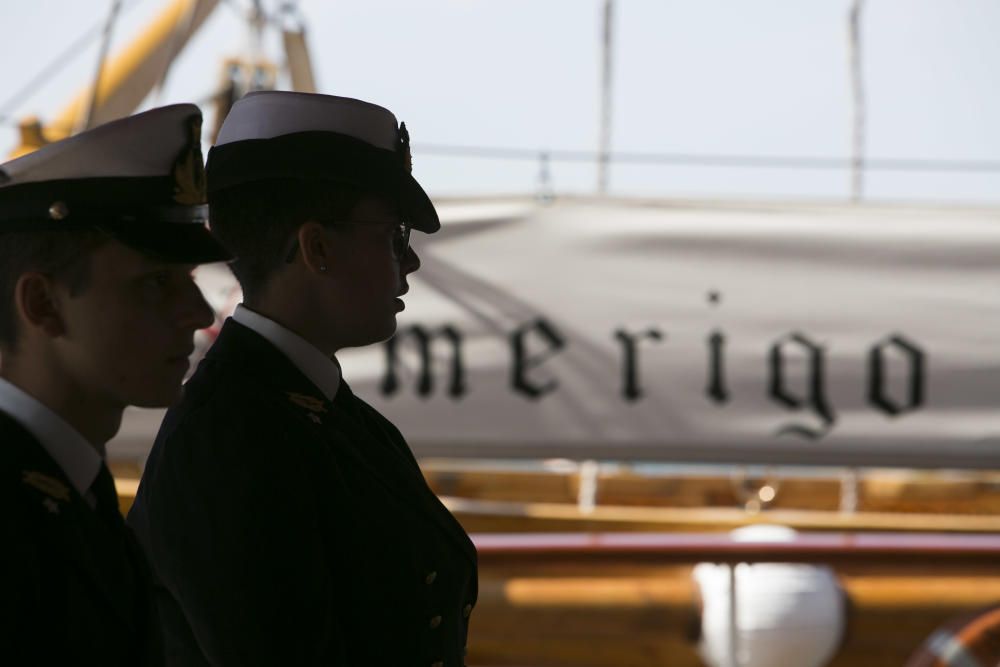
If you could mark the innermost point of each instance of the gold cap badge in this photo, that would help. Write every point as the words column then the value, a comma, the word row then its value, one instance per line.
column 404, row 148
column 189, row 168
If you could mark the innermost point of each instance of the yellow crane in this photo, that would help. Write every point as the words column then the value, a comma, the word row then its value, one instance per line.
column 127, row 78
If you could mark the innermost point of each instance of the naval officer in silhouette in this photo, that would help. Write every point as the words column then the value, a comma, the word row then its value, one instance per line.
column 99, row 234
column 287, row 520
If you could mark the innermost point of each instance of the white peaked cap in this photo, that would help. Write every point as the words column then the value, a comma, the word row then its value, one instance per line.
column 140, row 179
column 123, row 148
column 272, row 135
column 265, row 115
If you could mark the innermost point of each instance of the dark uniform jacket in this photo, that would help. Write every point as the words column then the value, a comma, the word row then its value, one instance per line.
column 287, row 529
column 74, row 587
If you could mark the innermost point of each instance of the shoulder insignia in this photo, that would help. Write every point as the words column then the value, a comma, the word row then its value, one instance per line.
column 310, row 403
column 48, row 485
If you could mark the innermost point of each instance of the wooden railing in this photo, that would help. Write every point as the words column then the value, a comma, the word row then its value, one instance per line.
column 936, row 550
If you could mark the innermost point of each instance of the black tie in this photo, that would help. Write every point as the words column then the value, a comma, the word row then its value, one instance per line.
column 107, row 498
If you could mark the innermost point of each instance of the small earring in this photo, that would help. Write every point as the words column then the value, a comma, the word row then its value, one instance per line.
column 322, row 268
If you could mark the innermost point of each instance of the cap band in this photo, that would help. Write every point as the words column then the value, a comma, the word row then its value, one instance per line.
column 318, row 155
column 321, row 155
column 92, row 201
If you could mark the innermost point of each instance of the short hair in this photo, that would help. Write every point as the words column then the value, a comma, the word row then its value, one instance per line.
column 64, row 255
column 256, row 221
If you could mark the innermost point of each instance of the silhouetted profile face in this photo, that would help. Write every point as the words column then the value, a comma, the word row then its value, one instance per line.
column 129, row 332
column 366, row 279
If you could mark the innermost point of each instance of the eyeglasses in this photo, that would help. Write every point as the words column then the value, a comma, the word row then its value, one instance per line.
column 400, row 238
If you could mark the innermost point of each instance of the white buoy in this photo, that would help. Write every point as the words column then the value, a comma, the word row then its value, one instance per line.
column 786, row 614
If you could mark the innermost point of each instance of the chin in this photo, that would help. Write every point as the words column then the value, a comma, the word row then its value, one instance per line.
column 389, row 331
column 382, row 332
column 157, row 397
column 371, row 333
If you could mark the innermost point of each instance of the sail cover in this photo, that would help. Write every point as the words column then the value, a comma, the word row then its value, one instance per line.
column 698, row 332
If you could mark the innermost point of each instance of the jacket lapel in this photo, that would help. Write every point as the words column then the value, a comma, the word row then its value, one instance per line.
column 243, row 348
column 355, row 430
column 102, row 553
column 338, row 421
column 73, row 528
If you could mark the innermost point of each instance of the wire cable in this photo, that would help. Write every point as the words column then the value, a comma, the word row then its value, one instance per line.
column 709, row 160
column 679, row 159
column 102, row 57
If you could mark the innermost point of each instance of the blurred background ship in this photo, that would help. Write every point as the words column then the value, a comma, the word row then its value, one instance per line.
column 602, row 388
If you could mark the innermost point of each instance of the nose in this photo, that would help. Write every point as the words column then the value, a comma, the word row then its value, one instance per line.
column 411, row 261
column 195, row 313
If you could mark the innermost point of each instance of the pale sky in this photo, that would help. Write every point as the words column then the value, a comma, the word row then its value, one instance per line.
column 734, row 77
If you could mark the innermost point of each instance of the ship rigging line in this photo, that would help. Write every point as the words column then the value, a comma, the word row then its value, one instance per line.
column 710, row 160
column 86, row 121
column 56, row 64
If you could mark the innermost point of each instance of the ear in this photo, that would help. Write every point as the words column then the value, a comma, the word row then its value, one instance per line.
column 316, row 250
column 37, row 304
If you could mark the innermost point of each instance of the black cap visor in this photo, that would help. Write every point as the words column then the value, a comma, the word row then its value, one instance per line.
column 173, row 242
column 419, row 207
column 139, row 212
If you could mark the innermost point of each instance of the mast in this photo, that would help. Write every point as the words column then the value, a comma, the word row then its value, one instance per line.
column 604, row 138
column 858, row 99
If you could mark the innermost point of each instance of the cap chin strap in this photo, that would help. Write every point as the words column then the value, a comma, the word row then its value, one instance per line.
column 67, row 219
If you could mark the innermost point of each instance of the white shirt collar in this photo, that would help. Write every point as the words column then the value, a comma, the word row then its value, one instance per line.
column 320, row 369
column 70, row 450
